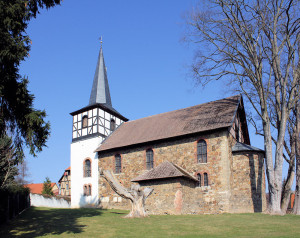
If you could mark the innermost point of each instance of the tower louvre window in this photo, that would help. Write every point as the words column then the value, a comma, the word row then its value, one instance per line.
column 118, row 163
column 84, row 121
column 112, row 125
column 202, row 151
column 149, row 159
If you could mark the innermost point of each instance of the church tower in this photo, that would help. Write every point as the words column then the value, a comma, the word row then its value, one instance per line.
column 91, row 125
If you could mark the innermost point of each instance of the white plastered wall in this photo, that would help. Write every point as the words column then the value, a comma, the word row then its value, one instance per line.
column 81, row 150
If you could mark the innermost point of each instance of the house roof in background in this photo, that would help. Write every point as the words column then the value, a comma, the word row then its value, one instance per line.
column 200, row 118
column 37, row 187
column 163, row 171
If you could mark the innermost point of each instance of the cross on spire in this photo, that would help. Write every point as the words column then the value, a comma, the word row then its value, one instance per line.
column 101, row 41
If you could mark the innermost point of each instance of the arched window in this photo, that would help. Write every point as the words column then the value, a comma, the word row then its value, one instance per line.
column 149, row 159
column 205, row 179
column 201, row 151
column 84, row 121
column 199, row 180
column 87, row 168
column 112, row 125
column 85, row 191
column 89, row 190
column 118, row 164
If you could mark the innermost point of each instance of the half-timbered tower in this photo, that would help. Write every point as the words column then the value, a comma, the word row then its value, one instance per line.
column 91, row 125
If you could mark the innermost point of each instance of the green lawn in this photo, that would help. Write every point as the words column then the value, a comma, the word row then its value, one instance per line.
column 47, row 222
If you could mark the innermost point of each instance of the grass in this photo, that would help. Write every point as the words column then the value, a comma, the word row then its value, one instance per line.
column 49, row 222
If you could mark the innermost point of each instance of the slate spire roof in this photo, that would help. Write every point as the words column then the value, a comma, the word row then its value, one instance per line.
column 100, row 94
column 100, row 89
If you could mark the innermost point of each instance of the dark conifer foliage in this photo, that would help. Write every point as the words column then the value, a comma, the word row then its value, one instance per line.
column 18, row 118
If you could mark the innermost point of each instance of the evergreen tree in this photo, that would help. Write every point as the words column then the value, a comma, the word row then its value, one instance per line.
column 47, row 189
column 18, row 118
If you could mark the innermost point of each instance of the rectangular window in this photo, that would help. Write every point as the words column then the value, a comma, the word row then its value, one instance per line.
column 149, row 159
column 118, row 164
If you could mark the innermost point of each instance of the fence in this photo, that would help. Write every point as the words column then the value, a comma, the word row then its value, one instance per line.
column 12, row 204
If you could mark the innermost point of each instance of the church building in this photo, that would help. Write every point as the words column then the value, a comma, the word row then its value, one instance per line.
column 198, row 159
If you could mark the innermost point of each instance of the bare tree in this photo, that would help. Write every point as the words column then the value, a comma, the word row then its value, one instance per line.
column 289, row 145
column 135, row 194
column 296, row 208
column 254, row 44
column 8, row 162
column 23, row 173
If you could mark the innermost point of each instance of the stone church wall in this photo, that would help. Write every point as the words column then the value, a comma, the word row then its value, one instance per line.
column 180, row 196
column 211, row 199
column 248, row 183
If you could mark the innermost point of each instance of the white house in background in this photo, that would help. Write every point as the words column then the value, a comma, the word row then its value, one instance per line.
column 91, row 125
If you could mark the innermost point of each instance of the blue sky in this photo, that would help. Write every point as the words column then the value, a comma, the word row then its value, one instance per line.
column 147, row 66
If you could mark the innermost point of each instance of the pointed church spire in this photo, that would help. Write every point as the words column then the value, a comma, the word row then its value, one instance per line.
column 100, row 90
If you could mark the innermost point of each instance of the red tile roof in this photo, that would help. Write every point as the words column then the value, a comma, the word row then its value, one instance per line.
column 200, row 118
column 37, row 187
column 163, row 171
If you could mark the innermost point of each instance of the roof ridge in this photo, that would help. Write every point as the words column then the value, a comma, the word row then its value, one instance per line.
column 181, row 109
column 182, row 122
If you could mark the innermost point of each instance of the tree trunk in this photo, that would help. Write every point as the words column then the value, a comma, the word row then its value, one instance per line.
column 286, row 193
column 135, row 194
column 137, row 208
column 296, row 208
column 274, row 185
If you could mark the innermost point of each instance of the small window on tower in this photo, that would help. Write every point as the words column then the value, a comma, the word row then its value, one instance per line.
column 87, row 168
column 84, row 121
column 89, row 190
column 112, row 125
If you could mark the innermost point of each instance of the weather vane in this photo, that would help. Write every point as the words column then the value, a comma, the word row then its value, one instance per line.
column 100, row 41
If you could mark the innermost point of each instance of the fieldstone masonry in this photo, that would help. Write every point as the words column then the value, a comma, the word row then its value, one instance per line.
column 236, row 182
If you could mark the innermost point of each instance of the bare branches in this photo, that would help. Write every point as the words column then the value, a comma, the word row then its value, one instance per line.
column 256, row 45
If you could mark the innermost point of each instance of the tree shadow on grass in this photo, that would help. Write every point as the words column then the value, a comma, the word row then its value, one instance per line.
column 43, row 221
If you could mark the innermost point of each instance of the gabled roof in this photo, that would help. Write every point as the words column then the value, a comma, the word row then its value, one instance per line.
column 37, row 187
column 163, row 171
column 204, row 117
column 241, row 147
column 68, row 169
